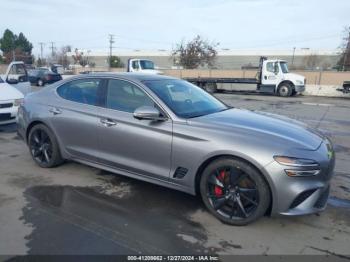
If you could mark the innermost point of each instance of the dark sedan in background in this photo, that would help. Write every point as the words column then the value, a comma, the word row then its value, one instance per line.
column 41, row 77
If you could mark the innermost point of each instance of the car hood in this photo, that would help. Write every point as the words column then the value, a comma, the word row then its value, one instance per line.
column 8, row 92
column 292, row 132
column 292, row 76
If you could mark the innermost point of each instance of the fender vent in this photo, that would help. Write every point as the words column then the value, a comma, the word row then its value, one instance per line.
column 180, row 172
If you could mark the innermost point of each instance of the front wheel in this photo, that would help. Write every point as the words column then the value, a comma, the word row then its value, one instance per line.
column 285, row 90
column 234, row 191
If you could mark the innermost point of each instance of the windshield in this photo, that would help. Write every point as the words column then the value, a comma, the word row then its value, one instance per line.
column 284, row 67
column 184, row 99
column 146, row 64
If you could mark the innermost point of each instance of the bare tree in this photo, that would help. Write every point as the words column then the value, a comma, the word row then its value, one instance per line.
column 80, row 58
column 195, row 53
column 344, row 61
column 62, row 55
column 312, row 61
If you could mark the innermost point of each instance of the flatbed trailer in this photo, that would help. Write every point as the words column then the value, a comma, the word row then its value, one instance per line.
column 273, row 77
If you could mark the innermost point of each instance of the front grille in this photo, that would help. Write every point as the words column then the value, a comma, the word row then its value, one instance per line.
column 302, row 197
column 5, row 117
column 322, row 200
column 6, row 105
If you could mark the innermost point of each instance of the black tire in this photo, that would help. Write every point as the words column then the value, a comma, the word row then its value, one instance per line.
column 253, row 209
column 43, row 147
column 285, row 90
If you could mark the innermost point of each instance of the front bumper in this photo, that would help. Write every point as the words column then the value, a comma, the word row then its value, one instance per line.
column 8, row 115
column 302, row 195
column 299, row 88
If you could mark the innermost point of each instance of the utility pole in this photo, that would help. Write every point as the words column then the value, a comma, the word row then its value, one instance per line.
column 111, row 41
column 52, row 49
column 41, row 50
column 293, row 56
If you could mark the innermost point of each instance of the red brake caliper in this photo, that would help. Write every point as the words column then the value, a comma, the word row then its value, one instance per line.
column 217, row 189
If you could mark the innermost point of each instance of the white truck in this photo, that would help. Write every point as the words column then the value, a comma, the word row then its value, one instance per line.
column 142, row 66
column 273, row 77
column 17, row 76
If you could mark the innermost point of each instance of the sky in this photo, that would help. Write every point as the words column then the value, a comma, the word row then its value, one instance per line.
column 161, row 24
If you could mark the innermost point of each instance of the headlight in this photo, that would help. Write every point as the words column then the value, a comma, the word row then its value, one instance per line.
column 18, row 102
column 297, row 162
column 299, row 82
column 300, row 163
column 302, row 172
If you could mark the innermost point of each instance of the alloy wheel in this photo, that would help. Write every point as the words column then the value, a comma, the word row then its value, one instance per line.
column 232, row 193
column 41, row 146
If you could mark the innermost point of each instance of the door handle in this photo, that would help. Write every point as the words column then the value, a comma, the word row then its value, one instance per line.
column 55, row 111
column 108, row 122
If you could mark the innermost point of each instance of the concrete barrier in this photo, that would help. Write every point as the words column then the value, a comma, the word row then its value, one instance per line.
column 324, row 90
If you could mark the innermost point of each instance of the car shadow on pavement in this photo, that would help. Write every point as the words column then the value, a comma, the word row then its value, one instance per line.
column 145, row 219
column 9, row 128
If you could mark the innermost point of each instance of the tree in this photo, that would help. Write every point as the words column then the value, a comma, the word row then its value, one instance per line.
column 195, row 53
column 62, row 55
column 344, row 61
column 79, row 58
column 312, row 61
column 22, row 43
column 116, row 62
column 14, row 46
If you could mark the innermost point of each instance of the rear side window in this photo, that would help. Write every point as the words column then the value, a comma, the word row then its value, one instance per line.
column 270, row 67
column 81, row 91
column 125, row 96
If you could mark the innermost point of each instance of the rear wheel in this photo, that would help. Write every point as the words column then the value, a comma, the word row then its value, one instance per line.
column 43, row 147
column 234, row 191
column 210, row 87
column 285, row 90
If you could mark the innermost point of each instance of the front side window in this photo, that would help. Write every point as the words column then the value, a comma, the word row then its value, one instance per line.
column 184, row 99
column 125, row 96
column 284, row 67
column 81, row 91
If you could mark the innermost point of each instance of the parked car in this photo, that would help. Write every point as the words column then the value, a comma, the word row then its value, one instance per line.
column 172, row 133
column 40, row 77
column 10, row 99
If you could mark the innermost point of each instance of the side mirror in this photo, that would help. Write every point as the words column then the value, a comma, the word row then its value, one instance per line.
column 12, row 81
column 148, row 113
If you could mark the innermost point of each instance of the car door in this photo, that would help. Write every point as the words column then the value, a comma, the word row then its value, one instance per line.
column 17, row 71
column 138, row 146
column 270, row 70
column 75, row 117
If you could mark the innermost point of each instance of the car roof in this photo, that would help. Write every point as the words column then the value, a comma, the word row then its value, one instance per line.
column 127, row 76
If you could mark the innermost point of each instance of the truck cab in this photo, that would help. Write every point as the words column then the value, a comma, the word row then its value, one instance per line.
column 17, row 76
column 274, row 77
column 142, row 66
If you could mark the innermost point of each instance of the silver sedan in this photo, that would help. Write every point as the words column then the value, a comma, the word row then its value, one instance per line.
column 167, row 131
